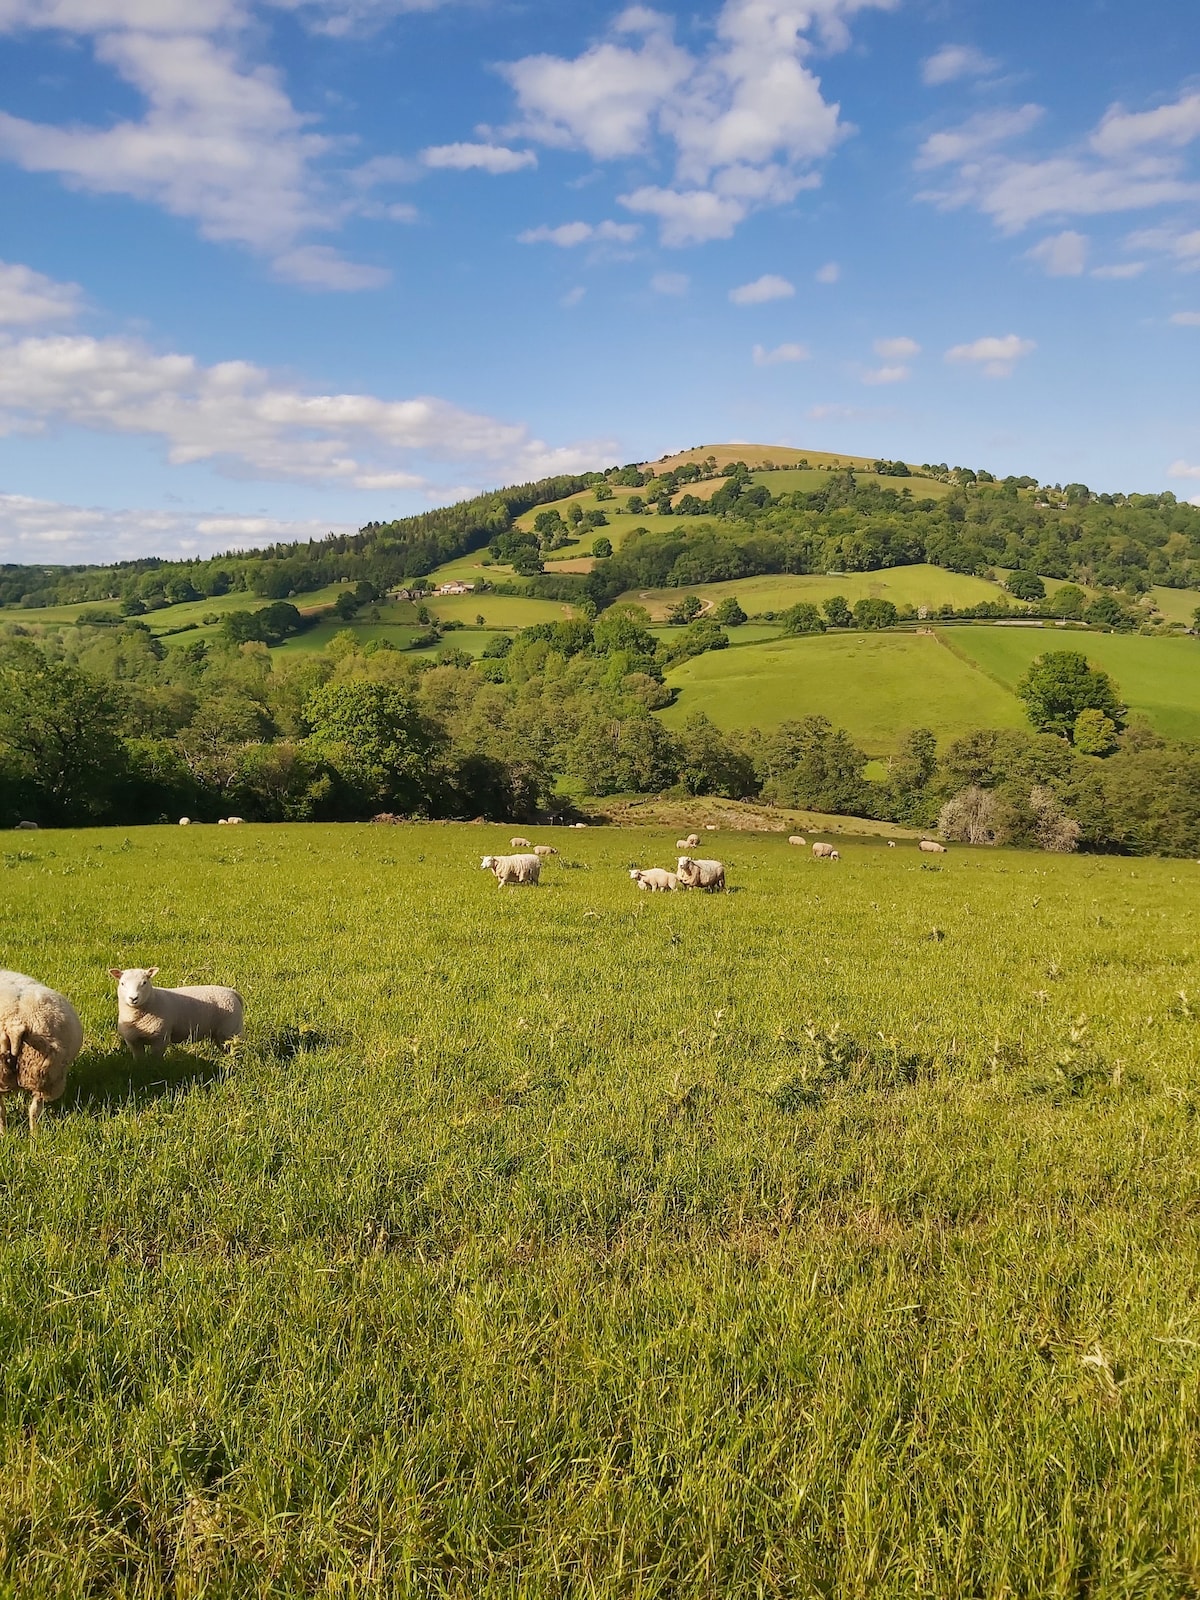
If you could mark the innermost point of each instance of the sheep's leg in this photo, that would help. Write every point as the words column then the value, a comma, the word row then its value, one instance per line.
column 3, row 1118
column 36, row 1106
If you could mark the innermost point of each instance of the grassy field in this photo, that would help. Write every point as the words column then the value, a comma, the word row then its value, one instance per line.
column 172, row 617
column 756, row 455
column 877, row 686
column 790, row 479
column 917, row 586
column 1175, row 605
column 575, row 1242
column 1160, row 677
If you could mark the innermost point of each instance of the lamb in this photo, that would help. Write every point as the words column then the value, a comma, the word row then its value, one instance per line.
column 656, row 879
column 825, row 852
column 706, row 875
column 692, row 840
column 230, row 822
column 544, row 850
column 685, row 844
column 891, row 844
column 520, row 844
column 513, row 869
column 796, row 839
column 151, row 1019
column 40, row 1036
column 932, row 848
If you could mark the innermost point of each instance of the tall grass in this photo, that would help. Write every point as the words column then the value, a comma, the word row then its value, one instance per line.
column 834, row 1237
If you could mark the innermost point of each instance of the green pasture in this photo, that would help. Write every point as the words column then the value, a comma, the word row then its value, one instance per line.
column 170, row 618
column 877, row 686
column 809, row 480
column 921, row 585
column 1158, row 677
column 1174, row 605
column 497, row 610
column 838, row 1236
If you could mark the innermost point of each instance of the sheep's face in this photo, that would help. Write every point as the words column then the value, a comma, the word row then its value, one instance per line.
column 634, row 874
column 488, row 864
column 134, row 987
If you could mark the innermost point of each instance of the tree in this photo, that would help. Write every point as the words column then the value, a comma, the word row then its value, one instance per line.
column 681, row 614
column 1025, row 586
column 60, row 736
column 710, row 764
column 1061, row 684
column 729, row 614
column 1094, row 734
column 602, row 546
column 838, row 612
column 346, row 605
column 811, row 764
column 1106, row 611
column 874, row 614
column 1068, row 602
column 377, row 741
column 802, row 618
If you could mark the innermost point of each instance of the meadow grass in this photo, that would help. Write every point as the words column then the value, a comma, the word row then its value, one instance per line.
column 1158, row 677
column 921, row 585
column 169, row 618
column 839, row 1236
column 878, row 686
column 810, row 480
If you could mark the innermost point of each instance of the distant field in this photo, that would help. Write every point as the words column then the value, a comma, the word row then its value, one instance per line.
column 172, row 617
column 809, row 480
column 1176, row 605
column 498, row 610
column 877, row 686
column 757, row 455
column 1160, row 677
column 918, row 586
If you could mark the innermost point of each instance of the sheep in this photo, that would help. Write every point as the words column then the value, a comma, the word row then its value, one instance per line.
column 656, row 879
column 520, row 844
column 709, row 827
column 544, row 850
column 513, row 869
column 185, row 822
column 40, row 1036
column 891, row 844
column 235, row 822
column 825, row 852
column 27, row 827
column 684, row 844
column 151, row 1019
column 932, row 848
column 796, row 839
column 692, row 840
column 706, row 875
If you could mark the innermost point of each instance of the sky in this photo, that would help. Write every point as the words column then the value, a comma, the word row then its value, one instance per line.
column 271, row 268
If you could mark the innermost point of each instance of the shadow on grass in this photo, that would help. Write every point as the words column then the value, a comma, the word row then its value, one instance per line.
column 104, row 1081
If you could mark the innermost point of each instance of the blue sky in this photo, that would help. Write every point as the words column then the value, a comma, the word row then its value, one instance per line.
column 271, row 267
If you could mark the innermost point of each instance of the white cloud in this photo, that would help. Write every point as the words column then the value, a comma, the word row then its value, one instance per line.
column 568, row 235
column 573, row 296
column 747, row 119
column 995, row 356
column 319, row 266
column 769, row 287
column 980, row 133
column 1119, row 270
column 1186, row 319
column 781, row 355
column 35, row 531
column 884, row 375
column 829, row 273
column 954, row 61
column 897, row 349
column 247, row 422
column 1063, row 255
column 218, row 142
column 1131, row 161
column 670, row 283
column 1181, row 469
column 494, row 158
column 27, row 297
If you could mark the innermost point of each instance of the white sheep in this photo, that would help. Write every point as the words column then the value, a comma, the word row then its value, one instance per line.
column 685, row 844
column 520, row 844
column 513, row 869
column 706, row 875
column 151, row 1019
column 825, row 852
column 544, row 850
column 656, row 879
column 692, row 840
column 796, row 839
column 40, row 1036
column 27, row 827
column 891, row 844
column 709, row 827
column 235, row 822
column 185, row 822
column 932, row 848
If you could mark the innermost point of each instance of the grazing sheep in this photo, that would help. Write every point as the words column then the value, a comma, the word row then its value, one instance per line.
column 27, row 827
column 544, row 850
column 151, row 1019
column 520, row 844
column 40, row 1036
column 891, row 844
column 581, row 824
column 657, row 879
column 692, row 840
column 825, row 852
column 709, row 827
column 706, row 875
column 185, row 822
column 932, row 848
column 684, row 844
column 513, row 869
column 796, row 839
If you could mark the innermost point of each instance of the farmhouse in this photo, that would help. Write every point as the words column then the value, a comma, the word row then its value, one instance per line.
column 456, row 588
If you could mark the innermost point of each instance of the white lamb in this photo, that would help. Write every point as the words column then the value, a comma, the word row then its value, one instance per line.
column 520, row 844
column 706, row 875
column 151, row 1019
column 544, row 850
column 656, row 879
column 513, row 869
column 796, row 839
column 825, row 852
column 40, row 1036
column 932, row 848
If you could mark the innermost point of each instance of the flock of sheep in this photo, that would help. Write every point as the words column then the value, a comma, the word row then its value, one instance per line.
column 41, row 1034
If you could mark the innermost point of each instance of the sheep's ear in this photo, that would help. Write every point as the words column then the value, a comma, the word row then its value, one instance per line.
column 152, row 973
column 116, row 972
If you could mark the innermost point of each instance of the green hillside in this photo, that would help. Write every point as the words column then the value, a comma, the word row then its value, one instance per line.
column 918, row 585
